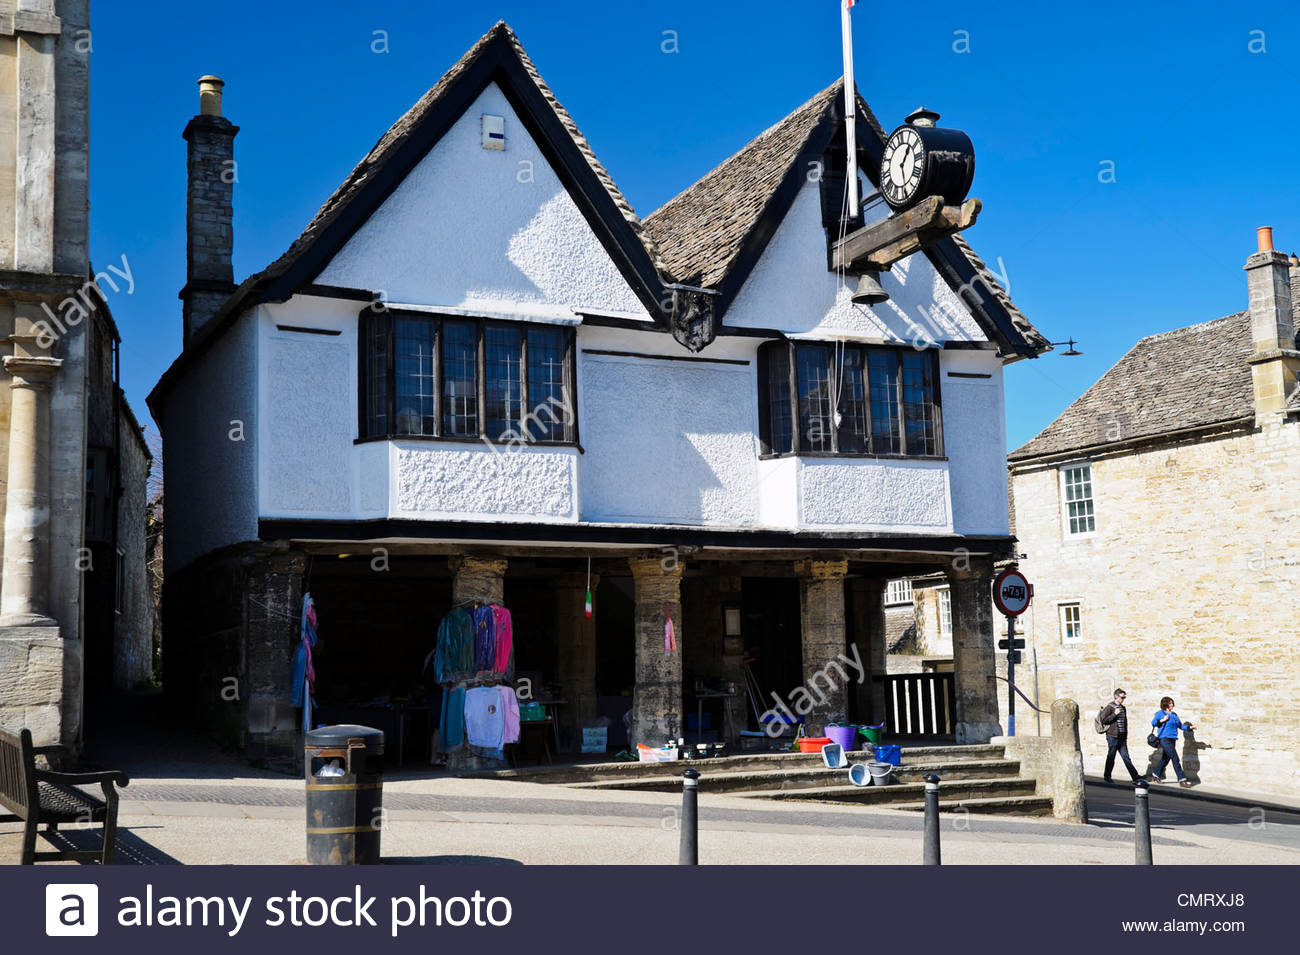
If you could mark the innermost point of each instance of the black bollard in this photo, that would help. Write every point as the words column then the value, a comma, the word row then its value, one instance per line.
column 1142, row 823
column 931, row 851
column 690, row 850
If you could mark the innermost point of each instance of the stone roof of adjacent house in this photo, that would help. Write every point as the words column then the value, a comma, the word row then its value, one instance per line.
column 1188, row 378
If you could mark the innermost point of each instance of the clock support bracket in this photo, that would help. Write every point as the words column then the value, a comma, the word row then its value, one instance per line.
column 876, row 247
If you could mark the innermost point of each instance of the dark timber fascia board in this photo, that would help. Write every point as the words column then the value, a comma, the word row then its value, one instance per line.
column 278, row 529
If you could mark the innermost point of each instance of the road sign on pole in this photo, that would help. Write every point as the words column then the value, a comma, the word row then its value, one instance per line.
column 1011, row 595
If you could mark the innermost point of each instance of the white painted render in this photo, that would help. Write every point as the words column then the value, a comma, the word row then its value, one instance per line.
column 791, row 290
column 663, row 442
column 212, row 479
column 483, row 228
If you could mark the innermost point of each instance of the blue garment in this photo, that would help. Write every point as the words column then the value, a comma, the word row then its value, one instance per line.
column 453, row 658
column 1168, row 752
column 453, row 719
column 1171, row 726
column 302, row 667
column 485, row 644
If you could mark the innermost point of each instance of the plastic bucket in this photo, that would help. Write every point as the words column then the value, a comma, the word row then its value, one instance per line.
column 872, row 733
column 880, row 773
column 813, row 744
column 842, row 734
column 833, row 756
column 859, row 775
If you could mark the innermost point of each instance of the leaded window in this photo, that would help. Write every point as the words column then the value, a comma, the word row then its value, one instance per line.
column 465, row 379
column 849, row 399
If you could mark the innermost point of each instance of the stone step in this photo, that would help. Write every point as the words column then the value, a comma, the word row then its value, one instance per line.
column 949, row 793
column 591, row 772
column 1010, row 805
column 802, row 778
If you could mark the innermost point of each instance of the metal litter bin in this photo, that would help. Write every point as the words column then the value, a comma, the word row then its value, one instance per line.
column 345, row 791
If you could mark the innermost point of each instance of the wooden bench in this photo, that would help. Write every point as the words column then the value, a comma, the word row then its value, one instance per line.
column 40, row 797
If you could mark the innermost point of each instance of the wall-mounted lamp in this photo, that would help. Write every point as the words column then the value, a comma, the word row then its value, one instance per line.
column 1071, row 352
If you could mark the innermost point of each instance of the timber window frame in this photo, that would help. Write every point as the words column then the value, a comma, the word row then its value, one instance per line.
column 943, row 601
column 1070, row 615
column 898, row 593
column 1078, row 507
column 887, row 398
column 424, row 376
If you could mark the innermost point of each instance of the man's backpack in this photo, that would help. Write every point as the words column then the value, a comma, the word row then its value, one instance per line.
column 1097, row 724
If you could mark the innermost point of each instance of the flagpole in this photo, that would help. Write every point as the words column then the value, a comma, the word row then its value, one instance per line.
column 850, row 107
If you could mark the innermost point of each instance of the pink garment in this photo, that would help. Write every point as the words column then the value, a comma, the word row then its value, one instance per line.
column 670, row 641
column 510, row 707
column 504, row 634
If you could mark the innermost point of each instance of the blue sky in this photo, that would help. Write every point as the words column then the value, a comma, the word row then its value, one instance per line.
column 1198, row 126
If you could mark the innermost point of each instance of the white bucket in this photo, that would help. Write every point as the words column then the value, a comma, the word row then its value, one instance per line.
column 833, row 756
column 858, row 775
column 881, row 773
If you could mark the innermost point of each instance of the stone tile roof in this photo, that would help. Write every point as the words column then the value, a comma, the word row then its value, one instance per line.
column 1190, row 377
column 702, row 229
column 400, row 130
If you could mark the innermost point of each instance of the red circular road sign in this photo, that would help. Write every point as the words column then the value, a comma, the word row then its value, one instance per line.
column 1011, row 593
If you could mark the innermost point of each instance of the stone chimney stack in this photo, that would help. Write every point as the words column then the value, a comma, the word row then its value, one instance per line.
column 1276, row 362
column 209, row 209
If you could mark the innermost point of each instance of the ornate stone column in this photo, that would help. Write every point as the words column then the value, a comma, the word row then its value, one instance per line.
column 24, row 597
column 972, row 652
column 575, row 638
column 657, row 695
column 821, row 618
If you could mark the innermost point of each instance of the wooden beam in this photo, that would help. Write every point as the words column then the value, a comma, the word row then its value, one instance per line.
column 881, row 244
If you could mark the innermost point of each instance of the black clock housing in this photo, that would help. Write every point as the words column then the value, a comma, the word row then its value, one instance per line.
column 947, row 162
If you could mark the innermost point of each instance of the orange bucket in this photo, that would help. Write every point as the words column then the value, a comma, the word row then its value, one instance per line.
column 813, row 744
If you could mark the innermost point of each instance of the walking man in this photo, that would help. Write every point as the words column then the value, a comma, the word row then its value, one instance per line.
column 1115, row 718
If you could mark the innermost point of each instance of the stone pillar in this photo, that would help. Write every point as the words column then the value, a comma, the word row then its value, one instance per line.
column 972, row 652
column 1068, row 800
column 273, row 593
column 657, row 695
column 575, row 638
column 869, row 636
column 24, row 597
column 821, row 618
column 478, row 580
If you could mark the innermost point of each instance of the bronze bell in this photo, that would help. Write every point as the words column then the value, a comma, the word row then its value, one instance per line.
column 869, row 291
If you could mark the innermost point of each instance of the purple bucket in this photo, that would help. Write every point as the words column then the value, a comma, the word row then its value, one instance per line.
column 842, row 734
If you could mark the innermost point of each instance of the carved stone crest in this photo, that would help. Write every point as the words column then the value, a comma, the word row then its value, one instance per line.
column 693, row 322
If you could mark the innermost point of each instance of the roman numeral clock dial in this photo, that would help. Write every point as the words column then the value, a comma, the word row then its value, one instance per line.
column 902, row 167
column 922, row 160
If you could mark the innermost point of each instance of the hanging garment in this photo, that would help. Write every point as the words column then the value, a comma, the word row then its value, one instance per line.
column 484, row 645
column 510, row 706
column 485, row 717
column 452, row 722
column 304, row 673
column 454, row 656
column 670, row 642
column 504, row 639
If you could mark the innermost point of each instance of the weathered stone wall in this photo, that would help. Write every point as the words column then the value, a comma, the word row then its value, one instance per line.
column 1188, row 589
column 133, row 646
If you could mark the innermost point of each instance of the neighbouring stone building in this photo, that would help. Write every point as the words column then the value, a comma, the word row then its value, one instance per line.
column 338, row 424
column 74, row 614
column 1159, row 515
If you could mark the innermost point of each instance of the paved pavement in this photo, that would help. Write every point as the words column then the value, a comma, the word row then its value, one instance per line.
column 1177, row 812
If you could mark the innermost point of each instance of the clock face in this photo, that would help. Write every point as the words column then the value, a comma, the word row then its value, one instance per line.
column 901, row 166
